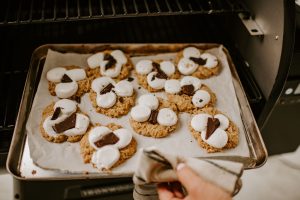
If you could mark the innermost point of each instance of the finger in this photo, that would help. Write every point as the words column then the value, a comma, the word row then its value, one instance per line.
column 188, row 178
column 177, row 189
column 164, row 193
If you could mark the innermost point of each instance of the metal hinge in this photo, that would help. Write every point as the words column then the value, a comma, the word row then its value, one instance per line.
column 251, row 25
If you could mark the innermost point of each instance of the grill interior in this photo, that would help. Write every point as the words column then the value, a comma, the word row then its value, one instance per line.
column 42, row 11
column 25, row 25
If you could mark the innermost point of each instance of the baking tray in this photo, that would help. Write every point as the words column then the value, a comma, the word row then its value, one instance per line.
column 258, row 153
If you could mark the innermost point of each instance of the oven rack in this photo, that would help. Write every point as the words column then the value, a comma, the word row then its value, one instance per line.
column 13, row 12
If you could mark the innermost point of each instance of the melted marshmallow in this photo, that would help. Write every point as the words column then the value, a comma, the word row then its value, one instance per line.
column 149, row 100
column 224, row 121
column 155, row 83
column 67, row 106
column 55, row 75
column 106, row 100
column 199, row 122
column 172, row 86
column 218, row 139
column 191, row 52
column 187, row 66
column 66, row 90
column 211, row 60
column 201, row 98
column 105, row 157
column 76, row 74
column 96, row 134
column 124, row 88
column 144, row 67
column 167, row 67
column 167, row 117
column 94, row 60
column 190, row 80
column 99, row 83
column 81, row 125
column 140, row 113
column 125, row 137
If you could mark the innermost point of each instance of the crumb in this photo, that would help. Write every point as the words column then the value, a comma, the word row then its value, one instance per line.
column 139, row 87
column 33, row 172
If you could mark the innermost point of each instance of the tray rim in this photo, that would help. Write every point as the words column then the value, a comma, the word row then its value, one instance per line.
column 257, row 149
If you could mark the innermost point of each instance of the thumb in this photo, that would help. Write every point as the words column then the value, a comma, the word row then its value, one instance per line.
column 189, row 179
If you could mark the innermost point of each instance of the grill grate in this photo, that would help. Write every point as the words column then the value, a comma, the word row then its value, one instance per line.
column 42, row 11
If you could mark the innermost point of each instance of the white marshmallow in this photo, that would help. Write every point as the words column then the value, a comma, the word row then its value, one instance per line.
column 66, row 90
column 144, row 67
column 125, row 137
column 140, row 113
column 218, row 139
column 67, row 106
column 186, row 66
column 199, row 122
column 191, row 52
column 94, row 60
column 172, row 86
column 149, row 100
column 55, row 75
column 81, row 125
column 111, row 72
column 201, row 98
column 190, row 80
column 167, row 117
column 119, row 56
column 156, row 83
column 211, row 60
column 99, row 83
column 48, row 124
column 105, row 157
column 106, row 100
column 168, row 67
column 124, row 88
column 96, row 134
column 76, row 74
column 224, row 121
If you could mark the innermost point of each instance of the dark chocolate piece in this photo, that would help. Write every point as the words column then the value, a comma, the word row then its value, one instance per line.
column 188, row 89
column 111, row 61
column 153, row 77
column 66, row 79
column 212, row 125
column 130, row 79
column 56, row 113
column 110, row 138
column 198, row 61
column 162, row 75
column 153, row 117
column 107, row 88
column 156, row 65
column 67, row 124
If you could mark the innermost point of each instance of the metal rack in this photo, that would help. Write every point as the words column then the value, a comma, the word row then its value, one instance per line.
column 45, row 11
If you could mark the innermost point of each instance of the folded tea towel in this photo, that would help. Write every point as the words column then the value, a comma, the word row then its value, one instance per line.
column 154, row 167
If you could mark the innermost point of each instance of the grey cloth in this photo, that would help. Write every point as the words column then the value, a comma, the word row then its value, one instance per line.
column 154, row 167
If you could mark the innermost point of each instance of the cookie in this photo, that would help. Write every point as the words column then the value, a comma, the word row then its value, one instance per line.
column 191, row 61
column 111, row 98
column 107, row 147
column 213, row 130
column 68, row 82
column 189, row 94
column 111, row 63
column 152, row 75
column 62, row 121
column 154, row 117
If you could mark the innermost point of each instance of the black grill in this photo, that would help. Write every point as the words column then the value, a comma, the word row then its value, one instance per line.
column 45, row 11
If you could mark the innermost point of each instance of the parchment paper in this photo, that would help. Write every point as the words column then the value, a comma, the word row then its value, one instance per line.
column 65, row 157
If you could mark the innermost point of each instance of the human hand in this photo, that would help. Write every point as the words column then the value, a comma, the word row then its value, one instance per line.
column 197, row 188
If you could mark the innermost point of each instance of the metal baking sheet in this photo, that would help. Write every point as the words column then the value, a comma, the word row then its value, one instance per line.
column 21, row 167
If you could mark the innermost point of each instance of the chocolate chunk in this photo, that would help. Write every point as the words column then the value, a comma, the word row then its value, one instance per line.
column 199, row 61
column 212, row 125
column 67, row 124
column 130, row 79
column 56, row 113
column 153, row 117
column 156, row 66
column 188, row 90
column 107, row 88
column 111, row 61
column 110, row 138
column 121, row 99
column 200, row 100
column 162, row 75
column 66, row 79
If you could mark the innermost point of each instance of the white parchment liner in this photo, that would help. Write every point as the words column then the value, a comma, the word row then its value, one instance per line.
column 65, row 157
